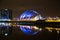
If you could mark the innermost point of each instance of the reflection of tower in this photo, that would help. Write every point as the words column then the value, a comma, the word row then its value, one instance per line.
column 5, row 14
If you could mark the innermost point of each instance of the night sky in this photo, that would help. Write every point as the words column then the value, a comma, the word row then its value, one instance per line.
column 45, row 7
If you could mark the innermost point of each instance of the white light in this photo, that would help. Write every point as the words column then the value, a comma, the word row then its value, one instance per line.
column 38, row 17
column 36, row 28
column 40, row 29
column 6, row 9
column 58, row 32
column 4, row 19
column 2, row 23
column 35, row 12
column 50, row 30
column 5, row 24
column 6, row 34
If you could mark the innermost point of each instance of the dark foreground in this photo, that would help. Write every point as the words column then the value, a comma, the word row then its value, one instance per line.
column 18, row 35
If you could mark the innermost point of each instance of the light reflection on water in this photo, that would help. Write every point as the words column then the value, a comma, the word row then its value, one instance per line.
column 5, row 30
column 29, row 30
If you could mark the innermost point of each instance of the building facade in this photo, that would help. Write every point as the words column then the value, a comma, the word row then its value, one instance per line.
column 5, row 14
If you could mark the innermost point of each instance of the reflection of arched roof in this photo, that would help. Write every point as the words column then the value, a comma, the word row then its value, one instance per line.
column 28, row 13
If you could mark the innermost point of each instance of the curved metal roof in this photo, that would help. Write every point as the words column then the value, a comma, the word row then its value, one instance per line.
column 29, row 13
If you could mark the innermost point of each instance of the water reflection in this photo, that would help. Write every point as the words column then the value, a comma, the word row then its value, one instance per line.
column 5, row 30
column 33, row 30
column 29, row 30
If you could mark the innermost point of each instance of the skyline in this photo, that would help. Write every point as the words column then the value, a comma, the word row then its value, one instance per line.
column 44, row 7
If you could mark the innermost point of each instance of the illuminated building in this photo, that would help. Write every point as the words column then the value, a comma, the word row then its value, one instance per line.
column 29, row 15
column 38, row 17
column 5, row 15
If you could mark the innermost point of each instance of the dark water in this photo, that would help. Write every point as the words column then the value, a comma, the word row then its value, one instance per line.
column 17, row 34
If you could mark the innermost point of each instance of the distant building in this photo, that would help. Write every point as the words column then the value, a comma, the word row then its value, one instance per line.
column 30, row 14
column 5, row 14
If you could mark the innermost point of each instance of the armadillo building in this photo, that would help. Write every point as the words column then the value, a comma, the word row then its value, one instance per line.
column 28, row 14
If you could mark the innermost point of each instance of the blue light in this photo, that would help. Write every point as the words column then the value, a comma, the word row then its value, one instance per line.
column 5, row 28
column 28, row 14
column 4, row 17
column 28, row 31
